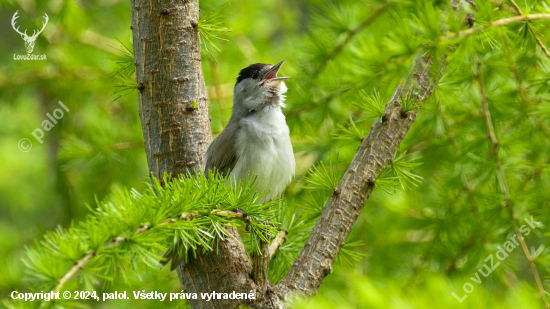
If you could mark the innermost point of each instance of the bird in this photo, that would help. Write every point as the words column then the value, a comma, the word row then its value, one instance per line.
column 256, row 143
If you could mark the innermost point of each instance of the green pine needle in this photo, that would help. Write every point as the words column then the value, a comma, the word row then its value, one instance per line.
column 211, row 27
column 134, row 226
column 347, row 256
column 124, row 75
column 320, row 177
column 350, row 134
column 372, row 104
column 401, row 166
column 386, row 182
column 409, row 101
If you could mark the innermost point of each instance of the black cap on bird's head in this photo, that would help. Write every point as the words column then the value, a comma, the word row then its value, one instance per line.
column 261, row 72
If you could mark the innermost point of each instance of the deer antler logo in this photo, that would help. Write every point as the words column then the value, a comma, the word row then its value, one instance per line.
column 29, row 40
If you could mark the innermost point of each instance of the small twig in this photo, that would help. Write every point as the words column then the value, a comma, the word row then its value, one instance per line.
column 233, row 214
column 218, row 88
column 423, row 258
column 469, row 245
column 515, row 71
column 281, row 237
column 496, row 23
column 77, row 266
column 489, row 123
column 507, row 200
column 503, row 6
column 540, row 43
column 123, row 146
column 516, row 7
column 517, row 10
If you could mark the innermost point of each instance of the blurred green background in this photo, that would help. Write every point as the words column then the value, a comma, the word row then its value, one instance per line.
column 411, row 247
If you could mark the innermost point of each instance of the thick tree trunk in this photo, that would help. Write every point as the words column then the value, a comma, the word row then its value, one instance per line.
column 172, row 95
column 176, row 131
column 176, row 127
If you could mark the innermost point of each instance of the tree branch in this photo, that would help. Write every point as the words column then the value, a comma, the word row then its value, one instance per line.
column 172, row 95
column 516, row 7
column 315, row 260
column 377, row 149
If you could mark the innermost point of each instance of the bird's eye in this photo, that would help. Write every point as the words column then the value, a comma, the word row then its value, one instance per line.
column 255, row 75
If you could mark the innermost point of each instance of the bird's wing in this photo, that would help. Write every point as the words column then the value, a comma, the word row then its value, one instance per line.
column 221, row 154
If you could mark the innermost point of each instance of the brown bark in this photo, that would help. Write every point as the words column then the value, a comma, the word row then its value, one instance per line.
column 225, row 271
column 168, row 71
column 176, row 128
column 260, row 265
column 172, row 95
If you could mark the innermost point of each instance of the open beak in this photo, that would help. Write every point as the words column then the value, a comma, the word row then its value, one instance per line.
column 271, row 75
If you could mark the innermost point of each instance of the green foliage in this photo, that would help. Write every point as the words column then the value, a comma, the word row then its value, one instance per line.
column 212, row 27
column 350, row 134
column 422, row 241
column 401, row 167
column 398, row 174
column 357, row 290
column 385, row 181
column 313, row 204
column 321, row 177
column 124, row 75
column 408, row 101
column 129, row 228
column 348, row 257
column 372, row 104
